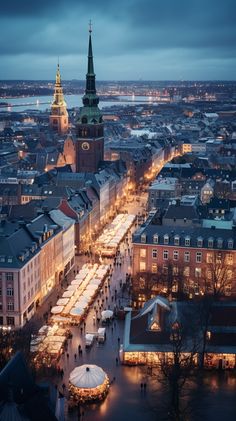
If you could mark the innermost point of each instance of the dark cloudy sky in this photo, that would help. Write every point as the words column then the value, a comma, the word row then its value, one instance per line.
column 132, row 39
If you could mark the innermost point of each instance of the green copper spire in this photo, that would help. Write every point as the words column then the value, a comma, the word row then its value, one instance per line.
column 90, row 113
column 90, row 77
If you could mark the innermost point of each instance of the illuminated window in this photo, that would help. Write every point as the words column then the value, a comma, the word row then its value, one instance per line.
column 143, row 252
column 142, row 266
column 198, row 272
column 154, row 268
column 230, row 258
column 186, row 271
column 209, row 258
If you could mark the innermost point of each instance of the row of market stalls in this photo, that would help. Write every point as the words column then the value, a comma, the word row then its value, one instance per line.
column 109, row 240
column 47, row 345
column 50, row 341
column 79, row 295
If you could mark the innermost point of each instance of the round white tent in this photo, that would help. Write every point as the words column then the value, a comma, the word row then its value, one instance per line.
column 88, row 382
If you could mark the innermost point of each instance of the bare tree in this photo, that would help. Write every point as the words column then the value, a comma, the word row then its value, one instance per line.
column 219, row 274
column 177, row 365
column 144, row 284
column 171, row 277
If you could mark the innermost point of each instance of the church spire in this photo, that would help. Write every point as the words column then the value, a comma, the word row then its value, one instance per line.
column 90, row 77
column 58, row 75
column 59, row 115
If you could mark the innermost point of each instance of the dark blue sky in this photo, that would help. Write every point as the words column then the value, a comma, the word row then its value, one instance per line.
column 132, row 39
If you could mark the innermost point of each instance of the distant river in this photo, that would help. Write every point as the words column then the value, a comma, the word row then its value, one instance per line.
column 43, row 102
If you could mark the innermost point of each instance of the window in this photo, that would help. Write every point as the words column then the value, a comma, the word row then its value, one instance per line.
column 166, row 239
column 143, row 252
column 186, row 271
column 10, row 306
column 175, row 270
column 141, row 283
column 10, row 321
column 175, row 255
column 198, row 257
column 198, row 272
column 230, row 258
column 219, row 243
column 10, row 291
column 176, row 240
column 154, row 253
column 154, row 268
column 143, row 238
column 142, row 266
column 230, row 243
column 9, row 276
column 187, row 241
column 187, row 256
column 155, row 239
column 0, row 306
column 0, row 276
column 165, row 254
column 229, row 274
column 199, row 241
column 0, row 290
column 165, row 270
column 210, row 242
column 209, row 258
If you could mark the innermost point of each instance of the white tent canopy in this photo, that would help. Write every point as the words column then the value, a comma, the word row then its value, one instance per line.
column 87, row 376
column 106, row 314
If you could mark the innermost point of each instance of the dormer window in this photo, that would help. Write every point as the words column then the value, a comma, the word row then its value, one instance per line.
column 230, row 243
column 155, row 326
column 200, row 242
column 219, row 243
column 143, row 238
column 187, row 241
column 176, row 240
column 210, row 242
column 166, row 239
column 155, row 238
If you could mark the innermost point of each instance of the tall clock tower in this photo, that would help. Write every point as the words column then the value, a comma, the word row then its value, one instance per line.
column 59, row 116
column 89, row 128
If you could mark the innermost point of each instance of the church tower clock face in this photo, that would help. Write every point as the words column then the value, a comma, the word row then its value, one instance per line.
column 85, row 146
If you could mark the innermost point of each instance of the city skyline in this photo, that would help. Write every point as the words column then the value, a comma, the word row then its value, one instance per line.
column 132, row 40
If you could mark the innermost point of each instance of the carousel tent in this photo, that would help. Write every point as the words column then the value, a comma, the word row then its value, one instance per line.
column 88, row 382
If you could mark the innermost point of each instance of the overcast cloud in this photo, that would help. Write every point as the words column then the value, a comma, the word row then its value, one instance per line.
column 132, row 39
